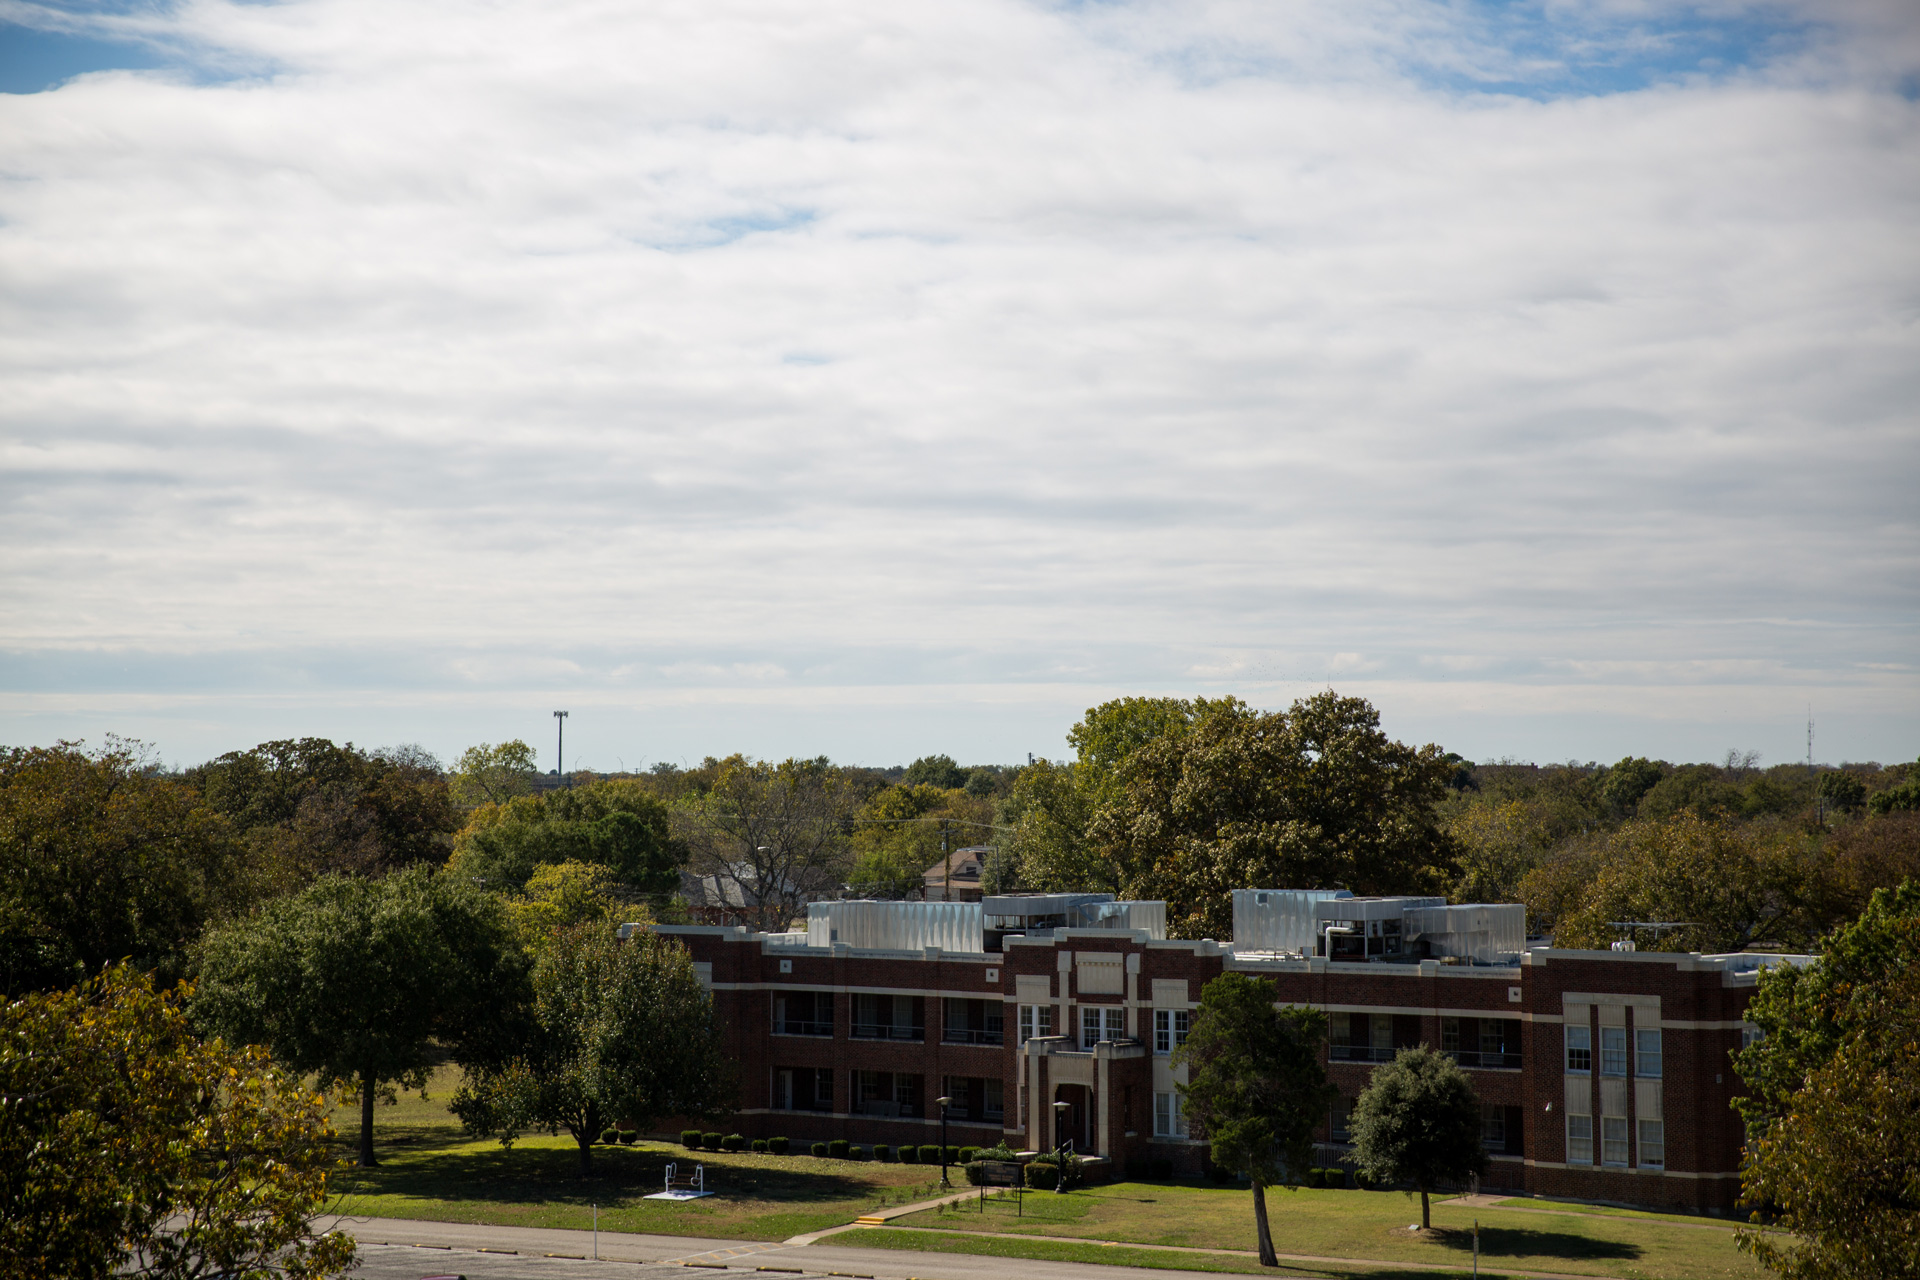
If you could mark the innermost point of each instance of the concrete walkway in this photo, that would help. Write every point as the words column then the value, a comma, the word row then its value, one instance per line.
column 535, row 1253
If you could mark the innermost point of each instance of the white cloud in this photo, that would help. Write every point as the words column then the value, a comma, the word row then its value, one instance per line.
column 857, row 346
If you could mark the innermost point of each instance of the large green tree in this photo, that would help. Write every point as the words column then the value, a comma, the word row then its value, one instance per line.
column 1838, row 1167
column 354, row 980
column 317, row 807
column 1316, row 796
column 130, row 1147
column 618, row 824
column 1418, row 1121
column 493, row 773
column 1256, row 1088
column 622, row 1031
column 771, row 836
column 102, row 858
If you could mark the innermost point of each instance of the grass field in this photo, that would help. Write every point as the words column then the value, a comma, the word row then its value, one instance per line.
column 430, row 1169
column 1354, row 1224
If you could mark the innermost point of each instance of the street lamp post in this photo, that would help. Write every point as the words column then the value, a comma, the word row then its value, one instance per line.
column 1060, row 1146
column 560, row 744
column 944, row 1184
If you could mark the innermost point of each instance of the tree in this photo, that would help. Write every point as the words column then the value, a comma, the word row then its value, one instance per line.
column 1839, row 1166
column 1902, row 797
column 1418, row 1121
column 1841, row 790
column 130, row 1148
column 935, row 771
column 1805, row 1014
column 103, row 859
column 1500, row 842
column 560, row 896
column 1626, row 783
column 774, row 834
column 1878, row 853
column 1314, row 797
column 352, row 980
column 618, row 824
column 622, row 1031
column 1732, row 885
column 1257, row 1087
column 1048, row 850
column 1110, row 733
column 315, row 807
column 493, row 773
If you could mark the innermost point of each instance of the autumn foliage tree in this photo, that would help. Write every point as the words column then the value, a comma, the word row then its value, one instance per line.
column 130, row 1147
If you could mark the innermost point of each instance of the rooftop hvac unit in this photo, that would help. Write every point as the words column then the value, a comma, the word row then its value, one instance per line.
column 896, row 926
column 1279, row 920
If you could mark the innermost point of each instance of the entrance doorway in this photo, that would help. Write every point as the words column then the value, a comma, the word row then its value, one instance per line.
column 1075, row 1124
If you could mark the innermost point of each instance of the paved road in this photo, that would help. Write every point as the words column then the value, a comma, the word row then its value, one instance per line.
column 391, row 1250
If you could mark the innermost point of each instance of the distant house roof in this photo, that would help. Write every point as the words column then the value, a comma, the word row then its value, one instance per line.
column 960, row 868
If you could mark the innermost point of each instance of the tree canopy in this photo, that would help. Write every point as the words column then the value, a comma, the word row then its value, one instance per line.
column 616, row 823
column 103, row 859
column 130, row 1147
column 493, row 773
column 351, row 980
column 1315, row 796
column 621, row 1031
column 1257, row 1087
column 1418, row 1121
column 771, row 835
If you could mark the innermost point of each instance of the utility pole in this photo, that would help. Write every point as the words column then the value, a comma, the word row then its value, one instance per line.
column 946, row 887
column 1819, row 808
column 560, row 746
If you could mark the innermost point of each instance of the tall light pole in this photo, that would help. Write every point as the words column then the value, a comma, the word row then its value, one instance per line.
column 944, row 1184
column 560, row 747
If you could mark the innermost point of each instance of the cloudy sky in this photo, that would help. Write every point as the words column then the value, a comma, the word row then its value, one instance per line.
column 879, row 377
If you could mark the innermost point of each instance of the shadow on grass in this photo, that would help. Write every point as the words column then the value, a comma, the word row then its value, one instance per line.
column 1525, row 1242
column 431, row 1170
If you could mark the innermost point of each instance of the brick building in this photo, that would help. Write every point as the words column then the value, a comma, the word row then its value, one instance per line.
column 1604, row 1075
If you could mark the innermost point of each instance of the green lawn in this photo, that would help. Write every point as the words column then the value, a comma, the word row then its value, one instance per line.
column 430, row 1169
column 1355, row 1224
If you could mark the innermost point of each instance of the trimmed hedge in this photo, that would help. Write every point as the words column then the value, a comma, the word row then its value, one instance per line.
column 930, row 1154
column 818, row 1149
column 968, row 1155
column 837, row 1149
column 909, row 1155
column 609, row 1136
column 690, row 1139
column 882, row 1152
column 734, row 1142
column 629, row 1136
column 1042, row 1177
column 758, row 1144
column 711, row 1141
column 778, row 1146
column 857, row 1153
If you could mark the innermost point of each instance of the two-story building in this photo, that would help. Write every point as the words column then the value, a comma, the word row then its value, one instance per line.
column 1603, row 1075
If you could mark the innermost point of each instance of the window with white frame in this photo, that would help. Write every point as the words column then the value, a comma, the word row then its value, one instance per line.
column 1579, row 1139
column 1653, row 1144
column 1035, row 1020
column 1170, row 1029
column 1580, row 1050
column 1169, row 1121
column 1646, row 1053
column 1613, row 1140
column 1493, row 1127
column 1101, row 1022
column 1613, row 1051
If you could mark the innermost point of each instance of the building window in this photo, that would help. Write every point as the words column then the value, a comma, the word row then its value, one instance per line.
column 1493, row 1127
column 1169, row 1121
column 1646, row 1057
column 886, row 1093
column 1340, row 1127
column 1580, row 1049
column 993, row 1102
column 803, row 1013
column 1098, row 1022
column 1035, row 1020
column 1579, row 1139
column 803, row 1088
column 1449, row 1035
column 1383, row 1037
column 1613, row 1051
column 1170, row 1029
column 1613, row 1140
column 1653, row 1144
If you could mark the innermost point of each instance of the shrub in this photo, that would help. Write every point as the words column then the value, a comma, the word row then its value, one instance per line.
column 711, row 1141
column 929, row 1155
column 1316, row 1177
column 969, row 1154
column 953, row 1156
column 857, row 1153
column 734, row 1142
column 976, row 1172
column 778, row 1146
column 758, row 1144
column 1043, row 1177
column 909, row 1155
column 629, row 1136
column 690, row 1139
column 882, row 1152
column 1363, row 1180
column 609, row 1136
column 820, row 1149
column 837, row 1149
